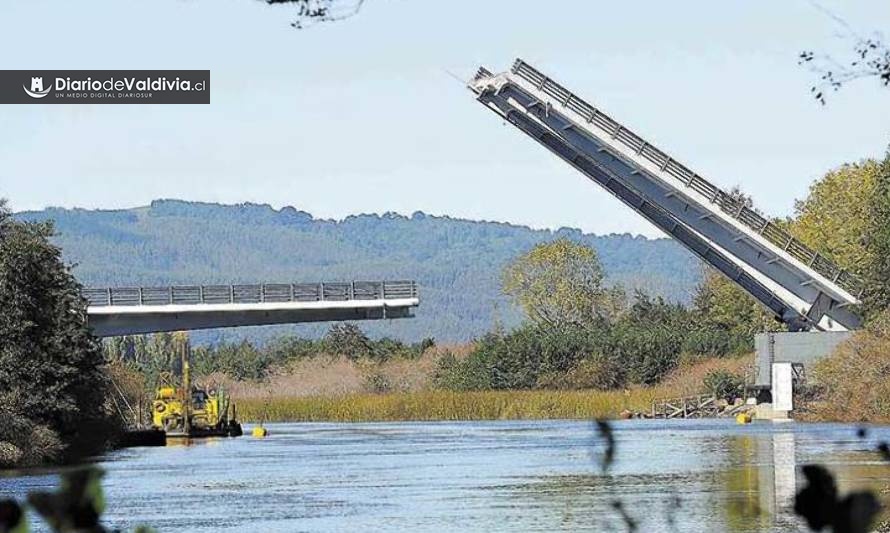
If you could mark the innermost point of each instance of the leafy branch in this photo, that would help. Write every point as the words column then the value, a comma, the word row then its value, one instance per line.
column 870, row 59
column 311, row 12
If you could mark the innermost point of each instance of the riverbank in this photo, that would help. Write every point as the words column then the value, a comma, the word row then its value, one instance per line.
column 436, row 404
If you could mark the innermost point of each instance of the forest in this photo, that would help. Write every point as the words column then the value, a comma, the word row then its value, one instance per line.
column 457, row 263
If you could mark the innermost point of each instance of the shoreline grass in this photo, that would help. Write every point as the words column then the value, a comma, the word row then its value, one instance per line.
column 438, row 404
column 449, row 405
column 429, row 404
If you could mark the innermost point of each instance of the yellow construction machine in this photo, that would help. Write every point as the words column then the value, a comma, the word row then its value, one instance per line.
column 188, row 411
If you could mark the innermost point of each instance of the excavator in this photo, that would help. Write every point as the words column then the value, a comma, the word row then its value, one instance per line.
column 191, row 411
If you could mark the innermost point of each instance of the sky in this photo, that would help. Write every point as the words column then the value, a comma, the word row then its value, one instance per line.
column 365, row 114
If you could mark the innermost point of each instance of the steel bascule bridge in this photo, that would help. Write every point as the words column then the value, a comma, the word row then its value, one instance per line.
column 802, row 288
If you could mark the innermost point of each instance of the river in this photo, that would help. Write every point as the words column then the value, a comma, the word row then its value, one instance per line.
column 685, row 475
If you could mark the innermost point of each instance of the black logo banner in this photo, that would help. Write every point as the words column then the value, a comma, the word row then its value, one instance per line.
column 104, row 86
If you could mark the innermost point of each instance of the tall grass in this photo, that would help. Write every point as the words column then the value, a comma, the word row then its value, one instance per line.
column 285, row 404
column 449, row 405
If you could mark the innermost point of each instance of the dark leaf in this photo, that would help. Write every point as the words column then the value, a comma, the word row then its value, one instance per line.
column 856, row 512
column 605, row 432
column 76, row 506
column 626, row 518
column 817, row 501
column 885, row 451
column 11, row 516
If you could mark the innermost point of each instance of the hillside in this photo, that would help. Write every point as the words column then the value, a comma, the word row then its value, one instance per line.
column 457, row 262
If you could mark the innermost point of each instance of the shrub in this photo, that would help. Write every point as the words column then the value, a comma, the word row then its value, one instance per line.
column 420, row 347
column 347, row 340
column 723, row 384
column 455, row 374
column 387, row 348
column 24, row 442
column 855, row 378
column 596, row 372
column 290, row 348
column 378, row 383
column 716, row 342
column 648, row 351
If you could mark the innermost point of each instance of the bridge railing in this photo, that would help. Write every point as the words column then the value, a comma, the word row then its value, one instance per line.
column 251, row 294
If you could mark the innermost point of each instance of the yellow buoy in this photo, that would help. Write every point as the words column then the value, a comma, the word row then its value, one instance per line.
column 259, row 432
column 743, row 418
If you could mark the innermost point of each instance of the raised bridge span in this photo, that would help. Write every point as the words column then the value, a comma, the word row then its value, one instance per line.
column 801, row 287
column 136, row 310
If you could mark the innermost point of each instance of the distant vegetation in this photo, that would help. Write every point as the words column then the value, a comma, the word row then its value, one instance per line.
column 582, row 330
column 581, row 334
column 588, row 323
column 438, row 404
column 457, row 262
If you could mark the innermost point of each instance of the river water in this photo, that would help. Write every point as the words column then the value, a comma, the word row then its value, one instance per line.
column 685, row 475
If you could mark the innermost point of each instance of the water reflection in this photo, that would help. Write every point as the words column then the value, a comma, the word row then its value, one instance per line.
column 708, row 475
column 761, row 481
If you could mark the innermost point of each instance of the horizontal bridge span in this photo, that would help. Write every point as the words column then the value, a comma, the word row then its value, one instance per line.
column 136, row 310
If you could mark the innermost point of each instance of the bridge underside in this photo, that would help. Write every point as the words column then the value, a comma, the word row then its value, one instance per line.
column 110, row 322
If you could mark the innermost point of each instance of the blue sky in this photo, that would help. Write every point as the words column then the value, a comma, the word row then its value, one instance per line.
column 362, row 116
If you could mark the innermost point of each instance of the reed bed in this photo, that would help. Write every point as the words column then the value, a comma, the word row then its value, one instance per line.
column 450, row 405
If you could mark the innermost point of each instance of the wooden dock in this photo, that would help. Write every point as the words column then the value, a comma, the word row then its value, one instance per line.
column 699, row 406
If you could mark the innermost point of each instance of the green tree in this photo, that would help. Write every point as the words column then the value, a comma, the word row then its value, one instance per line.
column 648, row 339
column 348, row 340
column 877, row 272
column 721, row 305
column 846, row 217
column 835, row 217
column 560, row 283
column 51, row 367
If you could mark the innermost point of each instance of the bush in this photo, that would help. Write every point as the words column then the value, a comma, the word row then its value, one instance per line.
column 290, row 348
column 716, row 342
column 648, row 351
column 462, row 375
column 22, row 441
column 387, row 348
column 855, row 378
column 348, row 340
column 724, row 385
column 419, row 348
column 378, row 383
column 595, row 372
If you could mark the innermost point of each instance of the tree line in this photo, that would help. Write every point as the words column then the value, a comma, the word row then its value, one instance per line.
column 456, row 262
column 54, row 390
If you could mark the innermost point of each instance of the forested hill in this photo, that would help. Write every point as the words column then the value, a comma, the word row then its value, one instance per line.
column 457, row 262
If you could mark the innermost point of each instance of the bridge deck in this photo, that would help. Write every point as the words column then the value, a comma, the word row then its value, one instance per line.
column 800, row 286
column 133, row 310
